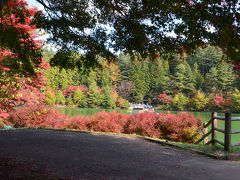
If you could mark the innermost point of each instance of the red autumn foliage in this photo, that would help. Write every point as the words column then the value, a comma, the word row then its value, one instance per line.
column 108, row 122
column 79, row 123
column 17, row 14
column 216, row 102
column 29, row 84
column 3, row 115
column 37, row 116
column 166, row 126
column 219, row 103
column 71, row 89
column 164, row 99
column 143, row 124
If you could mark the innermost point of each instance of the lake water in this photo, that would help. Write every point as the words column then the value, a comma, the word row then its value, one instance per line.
column 205, row 116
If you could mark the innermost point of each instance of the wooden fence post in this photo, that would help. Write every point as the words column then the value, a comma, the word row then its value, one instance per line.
column 214, row 125
column 228, row 129
column 205, row 131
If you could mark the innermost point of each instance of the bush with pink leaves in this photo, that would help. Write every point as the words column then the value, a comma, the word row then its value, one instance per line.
column 165, row 126
column 219, row 103
column 37, row 116
column 78, row 123
column 108, row 122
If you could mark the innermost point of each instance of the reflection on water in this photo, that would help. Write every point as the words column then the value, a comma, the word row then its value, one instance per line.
column 205, row 116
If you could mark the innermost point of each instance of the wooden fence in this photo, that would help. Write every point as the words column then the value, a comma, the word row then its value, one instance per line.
column 228, row 119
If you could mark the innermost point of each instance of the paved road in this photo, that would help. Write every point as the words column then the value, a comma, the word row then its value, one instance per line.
column 87, row 156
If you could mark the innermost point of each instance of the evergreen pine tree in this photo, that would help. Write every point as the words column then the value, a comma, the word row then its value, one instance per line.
column 93, row 93
column 107, row 100
column 58, row 79
column 225, row 77
column 189, row 80
column 158, row 76
column 198, row 79
column 79, row 98
column 124, row 66
column 60, row 99
column 179, row 74
column 184, row 80
column 140, row 80
column 105, row 79
column 211, row 83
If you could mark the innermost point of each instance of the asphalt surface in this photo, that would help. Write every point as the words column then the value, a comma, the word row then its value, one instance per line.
column 87, row 156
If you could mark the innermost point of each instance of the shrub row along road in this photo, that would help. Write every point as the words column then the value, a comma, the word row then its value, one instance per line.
column 88, row 156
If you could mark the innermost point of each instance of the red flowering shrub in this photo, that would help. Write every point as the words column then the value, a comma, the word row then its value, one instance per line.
column 108, row 122
column 219, row 103
column 173, row 127
column 79, row 123
column 37, row 116
column 165, row 101
column 165, row 126
column 143, row 124
column 3, row 115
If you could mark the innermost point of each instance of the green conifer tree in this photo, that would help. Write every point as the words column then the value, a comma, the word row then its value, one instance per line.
column 60, row 99
column 140, row 79
column 211, row 83
column 93, row 93
column 179, row 74
column 108, row 101
column 80, row 99
column 198, row 79
column 225, row 77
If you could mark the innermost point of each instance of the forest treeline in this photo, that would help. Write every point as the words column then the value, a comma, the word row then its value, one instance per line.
column 205, row 75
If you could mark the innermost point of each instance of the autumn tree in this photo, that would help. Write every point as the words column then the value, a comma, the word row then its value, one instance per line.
column 125, row 89
column 50, row 97
column 142, row 27
column 235, row 98
column 138, row 27
column 198, row 102
column 21, row 66
column 20, row 50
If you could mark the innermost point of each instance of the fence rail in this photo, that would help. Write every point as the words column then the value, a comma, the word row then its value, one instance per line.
column 214, row 129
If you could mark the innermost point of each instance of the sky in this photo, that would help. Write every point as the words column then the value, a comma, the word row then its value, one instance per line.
column 35, row 4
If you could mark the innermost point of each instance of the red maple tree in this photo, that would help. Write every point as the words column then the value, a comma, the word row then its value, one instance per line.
column 17, row 83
